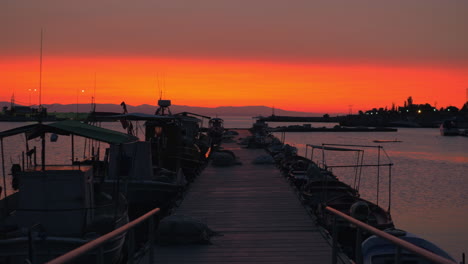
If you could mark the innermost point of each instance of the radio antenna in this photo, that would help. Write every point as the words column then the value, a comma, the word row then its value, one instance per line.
column 40, row 74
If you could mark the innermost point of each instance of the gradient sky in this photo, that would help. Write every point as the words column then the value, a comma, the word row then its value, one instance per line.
column 317, row 56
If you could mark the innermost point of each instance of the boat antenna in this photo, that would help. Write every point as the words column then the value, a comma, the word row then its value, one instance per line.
column 156, row 82
column 159, row 83
column 163, row 84
column 93, row 98
column 12, row 102
column 160, row 89
column 40, row 73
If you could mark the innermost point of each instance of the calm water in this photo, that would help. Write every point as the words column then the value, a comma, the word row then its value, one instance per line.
column 429, row 178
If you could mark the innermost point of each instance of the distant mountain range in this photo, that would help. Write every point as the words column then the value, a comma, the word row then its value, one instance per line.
column 150, row 109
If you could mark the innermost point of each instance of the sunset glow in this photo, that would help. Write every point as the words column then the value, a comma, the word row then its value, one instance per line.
column 211, row 83
column 139, row 98
column 319, row 56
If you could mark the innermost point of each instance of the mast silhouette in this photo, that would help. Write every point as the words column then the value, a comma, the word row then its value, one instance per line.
column 40, row 76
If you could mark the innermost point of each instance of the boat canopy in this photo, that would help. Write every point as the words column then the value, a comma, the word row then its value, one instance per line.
column 332, row 148
column 70, row 127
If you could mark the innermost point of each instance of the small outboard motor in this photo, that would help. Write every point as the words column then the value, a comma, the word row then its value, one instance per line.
column 360, row 210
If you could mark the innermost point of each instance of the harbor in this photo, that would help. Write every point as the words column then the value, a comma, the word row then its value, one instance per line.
column 253, row 212
column 233, row 132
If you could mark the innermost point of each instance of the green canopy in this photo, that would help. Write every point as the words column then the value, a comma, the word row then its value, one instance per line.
column 69, row 127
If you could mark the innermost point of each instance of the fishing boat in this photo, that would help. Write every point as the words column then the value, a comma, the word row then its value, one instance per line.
column 58, row 207
column 449, row 128
column 325, row 190
column 376, row 250
column 176, row 141
column 131, row 171
column 19, row 113
column 158, row 168
column 318, row 191
column 216, row 130
column 298, row 171
column 377, row 216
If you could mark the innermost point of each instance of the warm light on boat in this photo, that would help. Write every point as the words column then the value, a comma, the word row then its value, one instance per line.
column 158, row 131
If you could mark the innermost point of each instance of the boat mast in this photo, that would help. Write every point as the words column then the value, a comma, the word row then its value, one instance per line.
column 12, row 102
column 40, row 107
column 93, row 98
column 40, row 76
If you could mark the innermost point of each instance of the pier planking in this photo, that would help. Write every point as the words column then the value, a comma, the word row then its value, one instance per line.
column 257, row 212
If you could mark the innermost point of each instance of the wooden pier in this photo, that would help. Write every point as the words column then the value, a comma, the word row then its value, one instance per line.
column 257, row 212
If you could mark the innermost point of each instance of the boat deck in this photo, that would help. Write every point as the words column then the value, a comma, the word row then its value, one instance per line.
column 256, row 211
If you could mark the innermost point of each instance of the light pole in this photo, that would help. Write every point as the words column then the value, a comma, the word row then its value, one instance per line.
column 77, row 96
column 31, row 90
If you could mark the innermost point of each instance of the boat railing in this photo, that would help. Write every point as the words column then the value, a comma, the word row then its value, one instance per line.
column 99, row 242
column 399, row 243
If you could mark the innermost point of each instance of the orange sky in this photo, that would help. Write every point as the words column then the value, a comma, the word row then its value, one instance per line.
column 301, row 87
column 318, row 56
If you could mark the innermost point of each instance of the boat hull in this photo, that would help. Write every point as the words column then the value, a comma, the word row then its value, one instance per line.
column 143, row 196
column 16, row 250
column 379, row 250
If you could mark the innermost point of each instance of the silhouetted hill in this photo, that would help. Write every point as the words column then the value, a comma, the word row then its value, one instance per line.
column 150, row 109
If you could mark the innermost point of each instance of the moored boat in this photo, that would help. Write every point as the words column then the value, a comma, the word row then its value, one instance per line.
column 449, row 128
column 216, row 130
column 58, row 206
column 173, row 153
column 376, row 250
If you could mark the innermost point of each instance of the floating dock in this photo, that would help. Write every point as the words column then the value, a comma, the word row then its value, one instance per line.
column 257, row 212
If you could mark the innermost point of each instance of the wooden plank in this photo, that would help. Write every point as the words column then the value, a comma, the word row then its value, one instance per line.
column 257, row 212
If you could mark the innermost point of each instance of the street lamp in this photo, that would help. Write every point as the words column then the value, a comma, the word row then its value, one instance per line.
column 77, row 96
column 31, row 90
